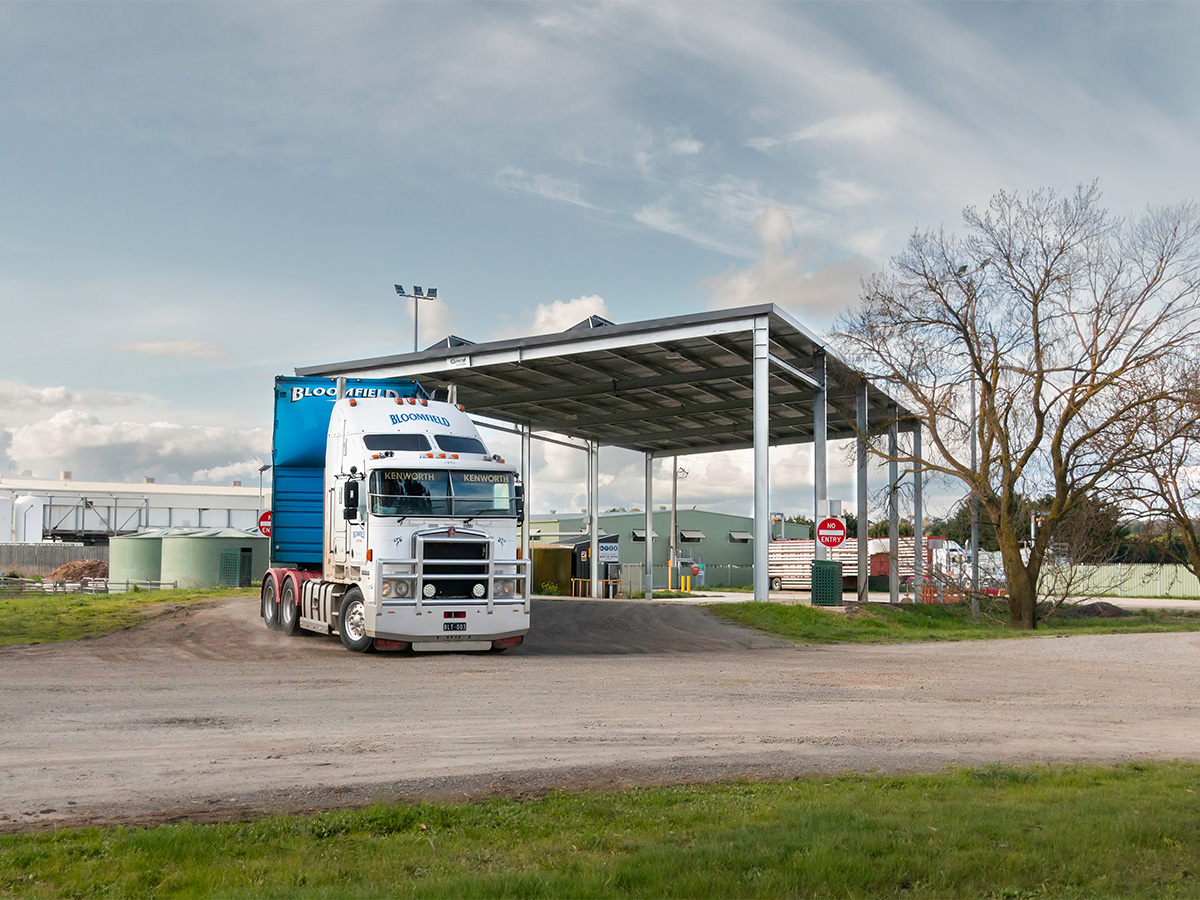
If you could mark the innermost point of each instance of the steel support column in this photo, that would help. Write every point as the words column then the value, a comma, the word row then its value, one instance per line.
column 648, row 574
column 594, row 518
column 820, row 453
column 918, row 508
column 526, row 446
column 893, row 514
column 864, row 558
column 762, row 460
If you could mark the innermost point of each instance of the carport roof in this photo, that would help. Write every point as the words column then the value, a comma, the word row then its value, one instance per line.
column 663, row 386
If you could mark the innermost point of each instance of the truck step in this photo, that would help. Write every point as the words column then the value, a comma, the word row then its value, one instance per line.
column 314, row 625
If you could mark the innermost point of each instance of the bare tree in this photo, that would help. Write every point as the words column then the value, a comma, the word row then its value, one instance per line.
column 1055, row 310
column 1163, row 481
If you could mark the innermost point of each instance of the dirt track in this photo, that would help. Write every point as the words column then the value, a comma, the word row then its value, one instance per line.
column 207, row 715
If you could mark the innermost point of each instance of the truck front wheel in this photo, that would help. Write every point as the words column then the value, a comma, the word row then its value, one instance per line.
column 776, row 584
column 352, row 621
column 289, row 613
column 270, row 606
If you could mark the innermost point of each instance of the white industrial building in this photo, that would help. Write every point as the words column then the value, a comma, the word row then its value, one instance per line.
column 90, row 512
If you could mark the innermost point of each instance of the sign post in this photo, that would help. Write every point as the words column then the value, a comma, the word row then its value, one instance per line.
column 831, row 532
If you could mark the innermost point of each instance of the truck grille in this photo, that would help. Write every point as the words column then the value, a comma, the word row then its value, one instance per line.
column 442, row 560
column 456, row 550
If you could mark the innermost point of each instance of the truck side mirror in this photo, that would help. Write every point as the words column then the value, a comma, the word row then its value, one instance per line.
column 350, row 501
column 520, row 496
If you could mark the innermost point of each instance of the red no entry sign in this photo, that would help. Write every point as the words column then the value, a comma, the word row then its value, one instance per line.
column 831, row 532
column 264, row 523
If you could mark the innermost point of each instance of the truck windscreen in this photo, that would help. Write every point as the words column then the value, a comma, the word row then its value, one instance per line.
column 414, row 492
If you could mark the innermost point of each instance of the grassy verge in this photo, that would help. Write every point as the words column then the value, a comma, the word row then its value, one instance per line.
column 47, row 618
column 991, row 832
column 882, row 624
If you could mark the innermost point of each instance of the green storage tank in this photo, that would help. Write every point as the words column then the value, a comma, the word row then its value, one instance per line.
column 215, row 557
column 135, row 557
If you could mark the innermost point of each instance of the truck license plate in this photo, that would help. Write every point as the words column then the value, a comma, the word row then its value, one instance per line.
column 454, row 626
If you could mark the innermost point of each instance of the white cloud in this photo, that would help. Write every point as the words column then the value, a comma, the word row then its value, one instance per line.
column 547, row 186
column 126, row 451
column 858, row 128
column 560, row 315
column 433, row 322
column 792, row 277
column 18, row 397
column 686, row 147
column 184, row 349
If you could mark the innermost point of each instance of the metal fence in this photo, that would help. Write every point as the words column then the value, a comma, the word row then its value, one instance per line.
column 16, row 587
column 42, row 559
column 1117, row 580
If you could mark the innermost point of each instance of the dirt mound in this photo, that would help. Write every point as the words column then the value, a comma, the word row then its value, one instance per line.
column 79, row 569
column 1101, row 609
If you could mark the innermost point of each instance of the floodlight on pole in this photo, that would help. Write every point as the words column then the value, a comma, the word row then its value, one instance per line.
column 418, row 293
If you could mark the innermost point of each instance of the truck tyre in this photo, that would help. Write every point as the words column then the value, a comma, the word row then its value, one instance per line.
column 270, row 606
column 776, row 584
column 352, row 622
column 289, row 613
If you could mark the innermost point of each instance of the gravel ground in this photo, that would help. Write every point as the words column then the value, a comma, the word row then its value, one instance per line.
column 206, row 715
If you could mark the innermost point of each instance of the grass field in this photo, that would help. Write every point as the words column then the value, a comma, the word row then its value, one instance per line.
column 47, row 618
column 880, row 624
column 995, row 832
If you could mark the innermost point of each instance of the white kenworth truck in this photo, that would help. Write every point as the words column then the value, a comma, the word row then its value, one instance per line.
column 405, row 536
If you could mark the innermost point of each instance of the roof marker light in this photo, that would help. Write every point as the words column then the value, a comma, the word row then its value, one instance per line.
column 424, row 402
column 399, row 401
column 454, row 456
column 353, row 402
column 441, row 456
column 461, row 408
column 412, row 400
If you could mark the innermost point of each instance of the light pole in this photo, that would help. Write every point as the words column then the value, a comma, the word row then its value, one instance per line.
column 261, row 469
column 418, row 293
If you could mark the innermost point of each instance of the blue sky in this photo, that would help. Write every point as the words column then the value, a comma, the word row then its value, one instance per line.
column 196, row 197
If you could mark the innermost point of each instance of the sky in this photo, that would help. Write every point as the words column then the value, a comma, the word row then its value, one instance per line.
column 195, row 198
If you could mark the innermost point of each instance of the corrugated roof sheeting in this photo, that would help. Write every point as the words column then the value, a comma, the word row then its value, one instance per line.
column 664, row 386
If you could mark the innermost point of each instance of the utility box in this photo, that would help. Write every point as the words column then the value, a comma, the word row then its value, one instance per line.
column 826, row 582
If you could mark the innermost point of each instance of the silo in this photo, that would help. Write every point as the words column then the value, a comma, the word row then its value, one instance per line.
column 136, row 557
column 217, row 557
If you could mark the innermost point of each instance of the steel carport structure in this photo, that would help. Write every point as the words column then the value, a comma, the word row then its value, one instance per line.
column 723, row 380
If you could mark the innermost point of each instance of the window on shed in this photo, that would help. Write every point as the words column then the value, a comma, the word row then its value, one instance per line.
column 740, row 537
column 639, row 535
column 691, row 537
column 396, row 442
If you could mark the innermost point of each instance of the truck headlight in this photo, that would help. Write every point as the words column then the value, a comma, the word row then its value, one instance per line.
column 478, row 590
column 505, row 587
column 397, row 588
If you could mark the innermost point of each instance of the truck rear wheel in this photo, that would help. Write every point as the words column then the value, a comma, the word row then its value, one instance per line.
column 776, row 584
column 352, row 622
column 270, row 606
column 289, row 613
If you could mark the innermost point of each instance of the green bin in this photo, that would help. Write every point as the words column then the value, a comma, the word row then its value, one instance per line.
column 826, row 582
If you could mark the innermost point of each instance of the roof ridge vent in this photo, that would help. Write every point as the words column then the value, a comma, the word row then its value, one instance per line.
column 591, row 322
